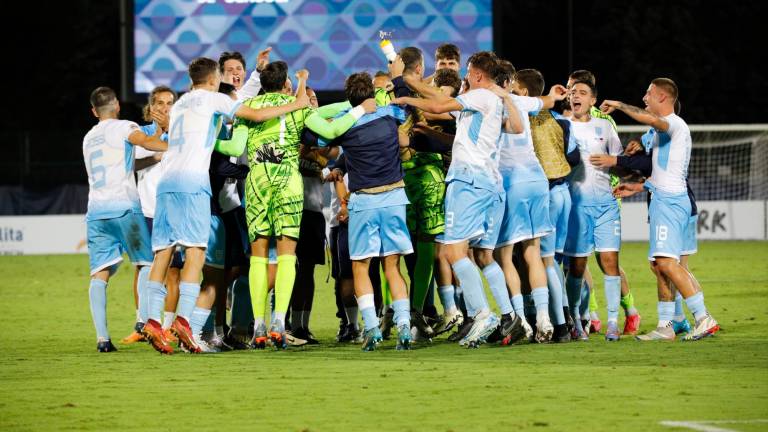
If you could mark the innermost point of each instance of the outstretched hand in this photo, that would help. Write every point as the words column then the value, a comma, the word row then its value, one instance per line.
column 262, row 59
column 558, row 92
column 627, row 189
column 609, row 106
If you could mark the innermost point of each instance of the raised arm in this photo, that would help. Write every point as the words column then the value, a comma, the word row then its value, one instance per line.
column 430, row 105
column 334, row 129
column 637, row 114
column 268, row 113
column 556, row 93
column 513, row 123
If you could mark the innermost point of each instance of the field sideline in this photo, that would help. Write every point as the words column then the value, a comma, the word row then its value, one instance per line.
column 51, row 376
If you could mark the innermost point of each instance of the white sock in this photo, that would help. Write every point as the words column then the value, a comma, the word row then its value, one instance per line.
column 168, row 318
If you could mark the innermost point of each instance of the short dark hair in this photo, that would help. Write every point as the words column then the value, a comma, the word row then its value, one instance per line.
column 532, row 80
column 448, row 77
column 200, row 69
column 504, row 72
column 667, row 85
column 411, row 57
column 227, row 55
column 381, row 73
column 591, row 86
column 584, row 76
column 273, row 76
column 358, row 87
column 101, row 97
column 485, row 61
column 152, row 95
column 448, row 51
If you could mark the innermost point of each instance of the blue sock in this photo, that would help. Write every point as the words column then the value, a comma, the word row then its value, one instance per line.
column 528, row 306
column 612, row 296
column 447, row 297
column 188, row 292
column 368, row 310
column 555, row 295
column 198, row 319
column 97, row 294
column 666, row 312
column 518, row 305
column 573, row 288
column 472, row 285
column 141, row 289
column 679, row 314
column 402, row 310
column 696, row 305
column 584, row 306
column 541, row 299
column 156, row 293
column 495, row 277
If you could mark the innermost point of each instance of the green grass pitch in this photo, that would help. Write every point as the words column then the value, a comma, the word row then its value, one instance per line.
column 51, row 376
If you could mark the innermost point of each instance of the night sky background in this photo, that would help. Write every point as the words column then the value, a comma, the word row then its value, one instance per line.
column 58, row 52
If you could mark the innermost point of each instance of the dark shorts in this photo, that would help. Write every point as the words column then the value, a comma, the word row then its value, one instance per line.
column 310, row 248
column 341, row 265
column 237, row 247
column 178, row 260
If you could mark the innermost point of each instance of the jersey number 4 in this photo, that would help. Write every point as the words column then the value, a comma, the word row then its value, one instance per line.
column 176, row 137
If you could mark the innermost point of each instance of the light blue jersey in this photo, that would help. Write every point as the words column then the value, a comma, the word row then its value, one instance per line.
column 109, row 162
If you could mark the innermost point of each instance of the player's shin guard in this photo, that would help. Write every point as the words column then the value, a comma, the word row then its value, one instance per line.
column 97, row 294
column 258, row 283
column 555, row 295
column 573, row 287
column 495, row 277
column 188, row 293
column 286, row 276
column 142, row 290
column 612, row 296
column 156, row 293
column 472, row 285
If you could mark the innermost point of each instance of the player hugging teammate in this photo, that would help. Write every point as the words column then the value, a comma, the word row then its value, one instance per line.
column 475, row 181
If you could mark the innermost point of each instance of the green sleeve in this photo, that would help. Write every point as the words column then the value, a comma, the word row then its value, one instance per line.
column 382, row 97
column 329, row 130
column 330, row 111
column 235, row 146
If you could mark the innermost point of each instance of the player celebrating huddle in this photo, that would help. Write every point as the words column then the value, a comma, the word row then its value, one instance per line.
column 670, row 207
column 183, row 212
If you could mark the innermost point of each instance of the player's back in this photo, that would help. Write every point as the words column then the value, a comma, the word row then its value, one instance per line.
column 476, row 145
column 517, row 158
column 275, row 140
column 549, row 137
column 590, row 185
column 109, row 163
column 195, row 120
column 671, row 155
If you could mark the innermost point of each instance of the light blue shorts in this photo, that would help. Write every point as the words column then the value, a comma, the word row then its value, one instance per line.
column 593, row 228
column 526, row 213
column 181, row 219
column 559, row 212
column 472, row 213
column 216, row 249
column 690, row 245
column 108, row 239
column 378, row 232
column 272, row 251
column 670, row 217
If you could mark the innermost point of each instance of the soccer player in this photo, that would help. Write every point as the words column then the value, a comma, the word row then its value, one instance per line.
column 474, row 198
column 232, row 68
column 377, row 207
column 670, row 207
column 275, row 192
column 526, row 217
column 183, row 212
column 632, row 322
column 595, row 220
column 557, row 154
column 114, row 219
column 156, row 112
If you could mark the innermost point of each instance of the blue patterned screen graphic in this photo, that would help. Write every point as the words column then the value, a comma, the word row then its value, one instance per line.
column 331, row 38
